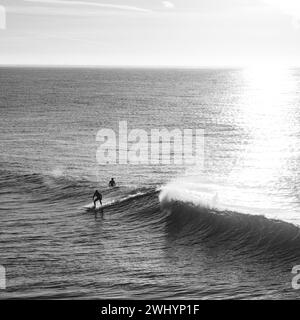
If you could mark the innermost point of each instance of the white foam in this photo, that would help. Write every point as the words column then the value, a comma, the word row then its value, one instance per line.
column 57, row 172
column 196, row 194
column 225, row 198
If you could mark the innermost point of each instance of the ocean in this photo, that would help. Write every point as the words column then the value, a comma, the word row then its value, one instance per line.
column 225, row 229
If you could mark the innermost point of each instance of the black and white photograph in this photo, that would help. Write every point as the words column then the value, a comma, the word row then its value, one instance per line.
column 149, row 150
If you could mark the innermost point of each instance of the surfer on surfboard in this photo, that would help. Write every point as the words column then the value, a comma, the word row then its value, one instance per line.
column 97, row 197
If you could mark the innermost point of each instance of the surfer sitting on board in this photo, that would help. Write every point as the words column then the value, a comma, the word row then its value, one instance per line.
column 112, row 182
column 97, row 197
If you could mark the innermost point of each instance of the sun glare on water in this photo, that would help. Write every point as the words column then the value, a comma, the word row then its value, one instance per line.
column 266, row 112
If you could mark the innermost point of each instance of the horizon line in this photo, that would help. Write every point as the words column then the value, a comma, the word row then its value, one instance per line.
column 129, row 66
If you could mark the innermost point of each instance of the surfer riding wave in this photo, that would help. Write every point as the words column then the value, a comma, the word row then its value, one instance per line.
column 97, row 197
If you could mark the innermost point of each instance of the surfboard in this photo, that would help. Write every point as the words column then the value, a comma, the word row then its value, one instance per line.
column 91, row 207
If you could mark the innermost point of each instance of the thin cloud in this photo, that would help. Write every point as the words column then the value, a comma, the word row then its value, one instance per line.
column 2, row 18
column 288, row 7
column 91, row 4
column 168, row 4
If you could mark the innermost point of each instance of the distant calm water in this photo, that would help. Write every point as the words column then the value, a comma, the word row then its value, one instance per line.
column 228, row 230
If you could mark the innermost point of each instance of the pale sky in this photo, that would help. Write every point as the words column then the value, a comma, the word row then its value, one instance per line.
column 150, row 32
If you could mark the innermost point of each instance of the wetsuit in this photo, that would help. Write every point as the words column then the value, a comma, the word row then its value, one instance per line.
column 97, row 197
